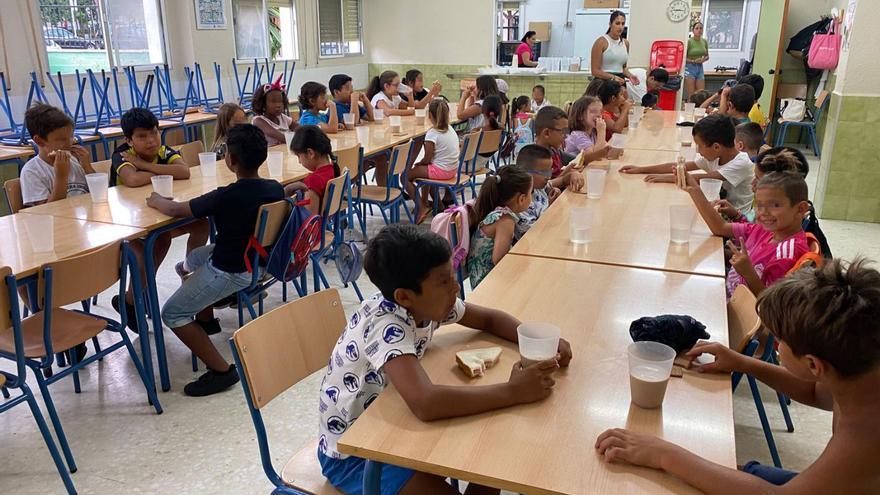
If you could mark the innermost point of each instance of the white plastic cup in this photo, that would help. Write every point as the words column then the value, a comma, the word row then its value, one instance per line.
column 711, row 189
column 378, row 115
column 689, row 108
column 163, row 185
column 288, row 138
column 41, row 232
column 689, row 153
column 363, row 134
column 595, row 182
column 395, row 123
column 275, row 159
column 699, row 113
column 638, row 112
column 681, row 217
column 348, row 119
column 687, row 135
column 650, row 365
column 420, row 116
column 580, row 223
column 208, row 163
column 98, row 185
column 633, row 123
column 537, row 342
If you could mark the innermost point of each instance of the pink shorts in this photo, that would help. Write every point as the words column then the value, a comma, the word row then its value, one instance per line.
column 437, row 173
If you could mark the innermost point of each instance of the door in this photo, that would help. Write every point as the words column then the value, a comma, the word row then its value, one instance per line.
column 768, row 49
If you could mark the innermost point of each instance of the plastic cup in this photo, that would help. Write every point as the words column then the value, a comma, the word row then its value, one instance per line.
column 348, row 119
column 41, row 232
column 689, row 153
column 275, row 159
column 537, row 342
column 650, row 364
column 163, row 185
column 379, row 115
column 98, row 185
column 687, row 135
column 595, row 182
column 580, row 223
column 638, row 112
column 699, row 113
column 633, row 123
column 711, row 189
column 208, row 163
column 689, row 108
column 363, row 134
column 680, row 220
column 288, row 137
column 420, row 116
column 395, row 123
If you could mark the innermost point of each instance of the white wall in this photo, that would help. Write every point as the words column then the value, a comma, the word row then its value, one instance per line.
column 648, row 22
column 859, row 71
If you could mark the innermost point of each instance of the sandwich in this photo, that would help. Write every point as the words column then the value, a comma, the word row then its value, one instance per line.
column 475, row 362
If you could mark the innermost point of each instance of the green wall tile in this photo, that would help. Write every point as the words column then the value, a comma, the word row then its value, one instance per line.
column 854, row 109
column 835, row 207
column 863, row 210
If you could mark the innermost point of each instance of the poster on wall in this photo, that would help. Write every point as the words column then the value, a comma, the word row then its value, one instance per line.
column 210, row 14
column 848, row 23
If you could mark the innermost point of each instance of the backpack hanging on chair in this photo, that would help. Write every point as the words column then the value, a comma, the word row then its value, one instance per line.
column 349, row 261
column 300, row 235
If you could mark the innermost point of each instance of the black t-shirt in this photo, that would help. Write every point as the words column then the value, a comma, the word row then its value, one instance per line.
column 234, row 208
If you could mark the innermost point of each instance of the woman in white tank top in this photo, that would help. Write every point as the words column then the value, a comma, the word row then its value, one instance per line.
column 611, row 51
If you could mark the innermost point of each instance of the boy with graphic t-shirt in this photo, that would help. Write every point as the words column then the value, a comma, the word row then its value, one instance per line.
column 551, row 125
column 536, row 160
column 59, row 170
column 384, row 341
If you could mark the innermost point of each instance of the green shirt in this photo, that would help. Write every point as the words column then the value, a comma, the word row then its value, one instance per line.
column 697, row 48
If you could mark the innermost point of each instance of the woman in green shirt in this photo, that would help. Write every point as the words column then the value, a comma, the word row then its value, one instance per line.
column 697, row 53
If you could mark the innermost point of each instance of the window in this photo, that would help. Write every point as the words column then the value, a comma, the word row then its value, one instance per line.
column 339, row 28
column 508, row 21
column 74, row 33
column 265, row 29
column 724, row 24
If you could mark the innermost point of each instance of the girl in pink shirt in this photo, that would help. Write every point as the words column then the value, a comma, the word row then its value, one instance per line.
column 587, row 129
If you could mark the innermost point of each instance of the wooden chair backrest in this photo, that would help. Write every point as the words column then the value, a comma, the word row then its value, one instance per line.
column 334, row 194
column 102, row 166
column 190, row 152
column 278, row 212
column 820, row 100
column 13, row 195
column 5, row 303
column 473, row 143
column 289, row 343
column 743, row 322
column 400, row 159
column 80, row 277
column 491, row 141
column 350, row 159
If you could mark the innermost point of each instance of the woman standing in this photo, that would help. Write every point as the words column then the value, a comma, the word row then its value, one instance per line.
column 697, row 54
column 524, row 50
column 611, row 51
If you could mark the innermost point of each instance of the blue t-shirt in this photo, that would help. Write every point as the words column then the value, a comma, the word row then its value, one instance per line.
column 344, row 108
column 307, row 117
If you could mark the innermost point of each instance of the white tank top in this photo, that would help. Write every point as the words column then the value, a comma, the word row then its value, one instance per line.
column 283, row 127
column 615, row 56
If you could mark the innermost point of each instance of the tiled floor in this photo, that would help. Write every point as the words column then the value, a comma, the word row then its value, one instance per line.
column 208, row 445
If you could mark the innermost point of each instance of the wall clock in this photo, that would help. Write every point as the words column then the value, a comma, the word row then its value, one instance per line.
column 678, row 10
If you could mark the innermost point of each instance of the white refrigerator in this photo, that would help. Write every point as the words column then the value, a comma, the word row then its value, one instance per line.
column 589, row 24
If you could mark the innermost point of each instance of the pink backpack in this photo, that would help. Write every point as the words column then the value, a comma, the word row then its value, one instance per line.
column 825, row 49
column 457, row 235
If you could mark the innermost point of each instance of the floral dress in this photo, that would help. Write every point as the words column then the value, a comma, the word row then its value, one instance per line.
column 480, row 255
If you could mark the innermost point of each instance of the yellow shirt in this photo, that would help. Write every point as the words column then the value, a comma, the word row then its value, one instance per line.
column 757, row 116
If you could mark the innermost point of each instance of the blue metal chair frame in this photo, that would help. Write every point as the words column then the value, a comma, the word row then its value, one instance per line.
column 809, row 125
column 259, row 69
column 210, row 104
column 18, row 381
column 11, row 127
column 331, row 223
column 464, row 167
column 392, row 182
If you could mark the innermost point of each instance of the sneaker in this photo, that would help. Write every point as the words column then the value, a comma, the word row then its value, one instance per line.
column 130, row 313
column 181, row 272
column 212, row 382
column 210, row 327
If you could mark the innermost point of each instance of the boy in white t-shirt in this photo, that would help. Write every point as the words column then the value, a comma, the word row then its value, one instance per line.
column 384, row 342
column 60, row 168
column 717, row 157
column 440, row 160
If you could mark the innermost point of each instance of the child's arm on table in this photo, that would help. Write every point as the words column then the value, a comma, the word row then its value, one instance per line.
column 169, row 207
column 716, row 224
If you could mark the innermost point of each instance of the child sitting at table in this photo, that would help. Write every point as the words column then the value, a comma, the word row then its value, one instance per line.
column 271, row 106
column 346, row 98
column 521, row 109
column 756, row 115
column 134, row 164
column 386, row 338
column 228, row 116
column 587, row 129
column 384, row 94
column 700, row 97
column 615, row 107
column 825, row 322
column 538, row 98
column 593, row 87
column 502, row 197
column 313, row 149
column 213, row 272
column 313, row 101
column 551, row 124
column 414, row 86
column 717, row 156
column 538, row 162
column 738, row 102
column 749, row 139
column 470, row 104
column 440, row 160
column 59, row 169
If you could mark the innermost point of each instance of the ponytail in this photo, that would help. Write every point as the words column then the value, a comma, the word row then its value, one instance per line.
column 492, row 109
column 377, row 84
column 497, row 190
column 439, row 111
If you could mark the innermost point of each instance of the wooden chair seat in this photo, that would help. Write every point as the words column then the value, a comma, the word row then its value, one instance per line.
column 69, row 329
column 377, row 193
column 2, row 380
column 482, row 171
column 450, row 182
column 303, row 472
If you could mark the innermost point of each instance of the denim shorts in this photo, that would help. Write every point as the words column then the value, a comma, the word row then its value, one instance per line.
column 347, row 475
column 207, row 285
column 694, row 71
column 770, row 474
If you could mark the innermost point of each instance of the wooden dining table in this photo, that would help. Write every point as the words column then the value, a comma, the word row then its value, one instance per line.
column 657, row 131
column 547, row 447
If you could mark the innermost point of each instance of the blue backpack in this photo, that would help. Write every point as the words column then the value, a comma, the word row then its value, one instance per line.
column 300, row 235
column 349, row 261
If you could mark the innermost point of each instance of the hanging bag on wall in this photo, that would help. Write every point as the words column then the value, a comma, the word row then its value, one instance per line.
column 825, row 49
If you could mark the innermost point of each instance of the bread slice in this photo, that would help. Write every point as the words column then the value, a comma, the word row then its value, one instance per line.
column 474, row 362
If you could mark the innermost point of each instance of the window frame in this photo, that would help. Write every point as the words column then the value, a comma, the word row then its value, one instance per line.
column 112, row 53
column 742, row 27
column 500, row 8
column 360, row 24
column 266, row 55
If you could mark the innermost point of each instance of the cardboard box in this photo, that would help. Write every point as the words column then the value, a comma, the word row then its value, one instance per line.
column 541, row 29
column 601, row 4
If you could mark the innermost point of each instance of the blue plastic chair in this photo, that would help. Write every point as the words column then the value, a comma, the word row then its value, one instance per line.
column 336, row 196
column 275, row 352
column 390, row 196
column 10, row 319
column 809, row 125
column 466, row 167
column 52, row 329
